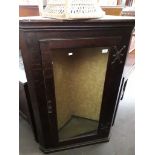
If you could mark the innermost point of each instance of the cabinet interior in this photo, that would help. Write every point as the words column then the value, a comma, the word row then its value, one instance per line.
column 79, row 76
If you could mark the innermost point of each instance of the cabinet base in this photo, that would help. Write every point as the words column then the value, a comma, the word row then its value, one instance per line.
column 72, row 146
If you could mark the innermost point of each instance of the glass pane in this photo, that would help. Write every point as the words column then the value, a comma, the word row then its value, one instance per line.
column 79, row 76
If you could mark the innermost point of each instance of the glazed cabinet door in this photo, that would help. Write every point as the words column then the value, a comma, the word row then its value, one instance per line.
column 81, row 79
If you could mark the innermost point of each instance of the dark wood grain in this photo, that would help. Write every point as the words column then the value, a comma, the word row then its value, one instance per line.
column 38, row 37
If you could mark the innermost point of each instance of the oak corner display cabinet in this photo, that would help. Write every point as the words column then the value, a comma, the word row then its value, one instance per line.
column 74, row 71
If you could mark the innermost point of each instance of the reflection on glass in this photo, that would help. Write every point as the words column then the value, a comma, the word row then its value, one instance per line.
column 79, row 76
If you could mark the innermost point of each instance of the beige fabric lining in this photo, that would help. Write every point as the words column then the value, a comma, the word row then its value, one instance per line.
column 79, row 81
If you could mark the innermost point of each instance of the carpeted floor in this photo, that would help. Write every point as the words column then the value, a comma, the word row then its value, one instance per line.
column 122, row 141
